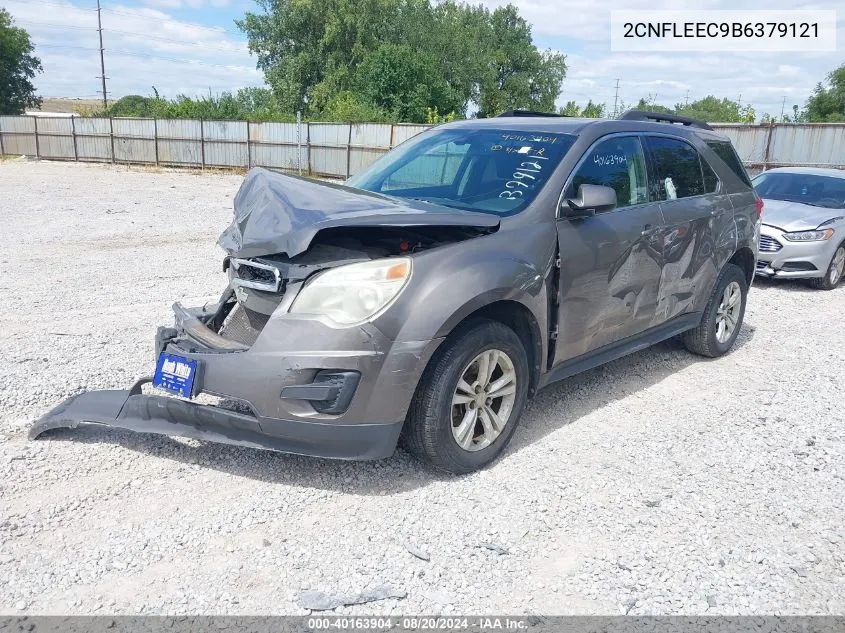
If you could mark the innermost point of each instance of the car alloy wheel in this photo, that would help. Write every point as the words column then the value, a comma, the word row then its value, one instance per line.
column 483, row 400
column 837, row 266
column 727, row 315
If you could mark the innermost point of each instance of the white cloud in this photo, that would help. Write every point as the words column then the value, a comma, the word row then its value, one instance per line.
column 144, row 47
column 763, row 79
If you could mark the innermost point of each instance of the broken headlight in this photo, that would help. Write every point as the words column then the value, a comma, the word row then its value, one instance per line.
column 355, row 292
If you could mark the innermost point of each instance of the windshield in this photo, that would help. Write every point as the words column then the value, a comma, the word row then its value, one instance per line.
column 813, row 189
column 493, row 171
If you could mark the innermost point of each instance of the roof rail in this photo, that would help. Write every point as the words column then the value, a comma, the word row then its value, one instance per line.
column 527, row 113
column 661, row 117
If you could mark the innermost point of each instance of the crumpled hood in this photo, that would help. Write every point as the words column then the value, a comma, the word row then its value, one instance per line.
column 277, row 213
column 796, row 216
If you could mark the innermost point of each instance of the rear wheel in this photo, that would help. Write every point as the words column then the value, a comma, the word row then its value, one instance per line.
column 722, row 317
column 834, row 272
column 470, row 398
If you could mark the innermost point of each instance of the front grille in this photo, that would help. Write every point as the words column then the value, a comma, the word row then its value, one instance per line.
column 761, row 265
column 243, row 325
column 769, row 244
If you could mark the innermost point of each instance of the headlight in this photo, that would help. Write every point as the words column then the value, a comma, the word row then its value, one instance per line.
column 809, row 236
column 355, row 292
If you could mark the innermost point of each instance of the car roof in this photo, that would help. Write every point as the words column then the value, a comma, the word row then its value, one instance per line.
column 816, row 171
column 577, row 126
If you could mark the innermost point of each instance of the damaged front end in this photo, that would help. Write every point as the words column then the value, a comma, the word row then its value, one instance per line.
column 248, row 371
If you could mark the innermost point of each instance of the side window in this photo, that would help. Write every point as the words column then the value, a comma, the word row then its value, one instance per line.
column 711, row 180
column 725, row 151
column 677, row 169
column 618, row 163
column 436, row 168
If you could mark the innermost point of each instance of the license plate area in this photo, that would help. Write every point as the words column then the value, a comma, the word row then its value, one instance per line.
column 176, row 374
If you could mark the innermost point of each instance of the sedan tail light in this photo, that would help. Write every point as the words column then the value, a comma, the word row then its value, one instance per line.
column 759, row 201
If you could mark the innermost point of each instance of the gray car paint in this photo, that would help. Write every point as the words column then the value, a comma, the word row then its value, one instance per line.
column 587, row 311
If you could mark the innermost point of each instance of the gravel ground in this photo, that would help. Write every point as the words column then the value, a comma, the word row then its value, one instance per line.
column 659, row 484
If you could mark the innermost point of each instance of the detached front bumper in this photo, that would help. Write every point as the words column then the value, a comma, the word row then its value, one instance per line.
column 281, row 385
column 162, row 415
column 778, row 257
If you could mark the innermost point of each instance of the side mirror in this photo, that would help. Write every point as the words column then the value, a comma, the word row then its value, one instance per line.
column 591, row 199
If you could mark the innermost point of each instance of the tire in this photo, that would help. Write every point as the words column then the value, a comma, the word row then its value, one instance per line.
column 708, row 339
column 434, row 422
column 833, row 274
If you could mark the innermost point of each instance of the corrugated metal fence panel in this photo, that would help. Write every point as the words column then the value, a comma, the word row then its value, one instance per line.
column 179, row 142
column 18, row 135
column 274, row 145
column 226, row 143
column 819, row 144
column 55, row 138
column 328, row 148
column 402, row 132
column 93, row 139
column 134, row 140
column 369, row 141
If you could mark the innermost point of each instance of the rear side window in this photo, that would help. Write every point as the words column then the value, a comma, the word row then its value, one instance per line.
column 676, row 169
column 725, row 151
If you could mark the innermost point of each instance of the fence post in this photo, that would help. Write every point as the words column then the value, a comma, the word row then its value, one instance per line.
column 2, row 151
column 768, row 146
column 111, row 135
column 348, row 150
column 37, row 148
column 155, row 138
column 248, row 147
column 202, row 143
column 392, row 136
column 308, row 147
column 299, row 141
column 73, row 136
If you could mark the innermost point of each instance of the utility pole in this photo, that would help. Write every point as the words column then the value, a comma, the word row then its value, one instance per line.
column 686, row 99
column 616, row 99
column 782, row 106
column 102, row 58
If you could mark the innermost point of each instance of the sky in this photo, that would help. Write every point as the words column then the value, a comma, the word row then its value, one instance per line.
column 193, row 47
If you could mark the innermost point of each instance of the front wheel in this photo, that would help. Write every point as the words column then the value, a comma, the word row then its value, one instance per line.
column 470, row 398
column 722, row 317
column 834, row 272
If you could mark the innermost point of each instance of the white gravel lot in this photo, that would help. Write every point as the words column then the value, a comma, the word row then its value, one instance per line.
column 659, row 484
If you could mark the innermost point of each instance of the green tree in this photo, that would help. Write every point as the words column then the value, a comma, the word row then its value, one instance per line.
column 589, row 111
column 517, row 74
column 650, row 106
column 827, row 103
column 18, row 66
column 404, row 84
column 400, row 57
column 716, row 110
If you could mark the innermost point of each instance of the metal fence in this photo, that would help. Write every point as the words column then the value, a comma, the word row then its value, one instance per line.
column 324, row 149
column 336, row 150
